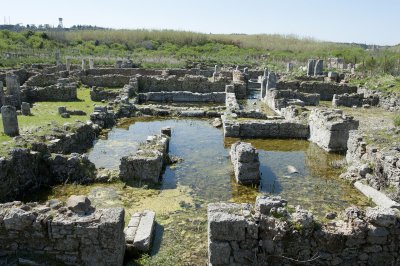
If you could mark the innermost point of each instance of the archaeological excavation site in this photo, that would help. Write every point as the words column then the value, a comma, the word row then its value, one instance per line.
column 121, row 152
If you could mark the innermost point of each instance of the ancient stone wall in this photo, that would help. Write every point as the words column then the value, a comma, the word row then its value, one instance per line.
column 182, row 96
column 148, row 162
column 379, row 167
column 387, row 101
column 53, row 234
column 325, row 89
column 22, row 74
column 199, row 84
column 24, row 171
column 329, row 128
column 121, row 71
column 278, row 99
column 99, row 94
column 57, row 92
column 264, row 128
column 42, row 80
column 109, row 80
column 268, row 234
column 354, row 99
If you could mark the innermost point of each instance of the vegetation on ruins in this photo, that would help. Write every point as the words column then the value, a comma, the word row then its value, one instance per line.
column 169, row 48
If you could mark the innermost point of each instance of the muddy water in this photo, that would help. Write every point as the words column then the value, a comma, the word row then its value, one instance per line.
column 206, row 175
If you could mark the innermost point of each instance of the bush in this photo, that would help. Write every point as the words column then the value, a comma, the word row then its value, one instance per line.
column 397, row 121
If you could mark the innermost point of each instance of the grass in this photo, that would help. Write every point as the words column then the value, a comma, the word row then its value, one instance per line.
column 396, row 120
column 45, row 112
column 385, row 83
column 169, row 48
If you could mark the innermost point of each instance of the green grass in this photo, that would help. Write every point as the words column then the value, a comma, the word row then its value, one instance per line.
column 45, row 112
column 397, row 121
column 385, row 83
column 168, row 48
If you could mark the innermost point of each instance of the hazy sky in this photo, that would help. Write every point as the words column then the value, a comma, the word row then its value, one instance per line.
column 363, row 21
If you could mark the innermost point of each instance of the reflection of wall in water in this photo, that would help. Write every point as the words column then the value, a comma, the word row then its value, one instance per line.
column 319, row 162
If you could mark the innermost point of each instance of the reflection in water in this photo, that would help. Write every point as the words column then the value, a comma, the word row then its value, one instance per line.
column 207, row 171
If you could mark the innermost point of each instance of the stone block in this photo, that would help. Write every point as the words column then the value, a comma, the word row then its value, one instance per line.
column 226, row 222
column 219, row 253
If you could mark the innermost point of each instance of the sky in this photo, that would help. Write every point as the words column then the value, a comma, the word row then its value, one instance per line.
column 361, row 21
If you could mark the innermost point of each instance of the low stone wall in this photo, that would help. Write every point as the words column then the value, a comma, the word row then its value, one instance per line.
column 121, row 71
column 329, row 128
column 42, row 80
column 354, row 99
column 325, row 89
column 182, row 96
column 390, row 101
column 278, row 99
column 163, row 110
column 53, row 234
column 24, row 171
column 77, row 137
column 268, row 234
column 380, row 168
column 198, row 84
column 104, row 118
column 109, row 80
column 22, row 74
column 99, row 94
column 148, row 162
column 58, row 92
column 264, row 128
column 231, row 103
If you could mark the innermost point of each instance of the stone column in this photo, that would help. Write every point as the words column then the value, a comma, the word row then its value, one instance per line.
column 91, row 63
column 216, row 68
column 265, row 72
column 13, row 90
column 83, row 64
column 311, row 67
column 271, row 81
column 289, row 67
column 68, row 64
column 58, row 58
column 319, row 67
column 263, row 87
column 10, row 120
column 246, row 70
column 1, row 93
column 25, row 108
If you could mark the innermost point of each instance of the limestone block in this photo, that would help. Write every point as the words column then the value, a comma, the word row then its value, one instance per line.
column 381, row 216
column 79, row 204
column 246, row 164
column 226, row 222
column 10, row 120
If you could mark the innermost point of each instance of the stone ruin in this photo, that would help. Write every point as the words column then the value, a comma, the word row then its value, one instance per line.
column 75, row 234
column 271, row 233
column 278, row 99
column 354, row 100
column 10, row 120
column 139, row 233
column 330, row 128
column 149, row 161
column 12, row 94
column 245, row 162
column 315, row 67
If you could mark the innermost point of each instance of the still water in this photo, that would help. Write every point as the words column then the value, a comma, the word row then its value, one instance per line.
column 206, row 168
